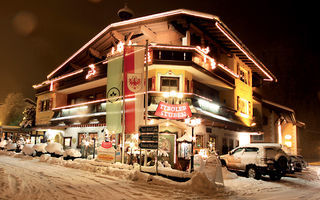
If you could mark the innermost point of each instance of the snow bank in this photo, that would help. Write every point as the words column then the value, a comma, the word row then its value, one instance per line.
column 11, row 146
column 40, row 147
column 227, row 174
column 72, row 153
column 3, row 143
column 44, row 157
column 200, row 183
column 166, row 171
column 28, row 149
column 54, row 148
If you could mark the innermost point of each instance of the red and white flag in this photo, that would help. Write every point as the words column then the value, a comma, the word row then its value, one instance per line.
column 134, row 88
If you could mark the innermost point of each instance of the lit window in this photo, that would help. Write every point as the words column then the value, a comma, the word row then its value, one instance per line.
column 244, row 77
column 169, row 84
column 243, row 106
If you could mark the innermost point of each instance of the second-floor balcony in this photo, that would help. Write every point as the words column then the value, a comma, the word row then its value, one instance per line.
column 74, row 112
column 199, row 105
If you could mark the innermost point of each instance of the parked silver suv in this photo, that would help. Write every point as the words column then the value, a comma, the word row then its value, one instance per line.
column 257, row 159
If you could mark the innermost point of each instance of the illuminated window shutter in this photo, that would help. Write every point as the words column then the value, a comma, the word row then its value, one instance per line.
column 238, row 69
column 249, row 79
column 238, row 102
column 153, row 83
column 39, row 106
column 186, row 85
column 191, row 88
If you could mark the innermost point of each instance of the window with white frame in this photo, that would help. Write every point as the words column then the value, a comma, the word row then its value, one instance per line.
column 168, row 84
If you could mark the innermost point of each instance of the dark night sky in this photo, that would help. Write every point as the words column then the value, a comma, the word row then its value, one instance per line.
column 36, row 36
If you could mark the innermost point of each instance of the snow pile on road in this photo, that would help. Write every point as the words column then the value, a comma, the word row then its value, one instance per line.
column 200, row 183
column 227, row 174
column 28, row 149
column 72, row 153
column 54, row 148
column 40, row 147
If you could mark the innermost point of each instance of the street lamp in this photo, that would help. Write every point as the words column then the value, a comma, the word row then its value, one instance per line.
column 192, row 122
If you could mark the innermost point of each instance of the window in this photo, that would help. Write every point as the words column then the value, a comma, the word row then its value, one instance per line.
column 45, row 105
column 251, row 149
column 81, row 136
column 230, row 144
column 67, row 141
column 93, row 135
column 199, row 141
column 208, row 129
column 258, row 137
column 244, row 76
column 243, row 106
column 184, row 150
column 169, row 84
column 237, row 151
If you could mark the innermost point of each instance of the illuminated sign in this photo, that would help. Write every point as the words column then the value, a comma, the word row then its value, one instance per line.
column 106, row 145
column 173, row 111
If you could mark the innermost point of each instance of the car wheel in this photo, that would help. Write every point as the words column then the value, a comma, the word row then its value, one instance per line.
column 275, row 176
column 282, row 164
column 223, row 163
column 252, row 172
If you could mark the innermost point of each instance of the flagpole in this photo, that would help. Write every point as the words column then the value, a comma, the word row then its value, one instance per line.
column 146, row 97
column 123, row 106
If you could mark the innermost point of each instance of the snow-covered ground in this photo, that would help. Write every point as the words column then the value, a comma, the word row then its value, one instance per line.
column 24, row 177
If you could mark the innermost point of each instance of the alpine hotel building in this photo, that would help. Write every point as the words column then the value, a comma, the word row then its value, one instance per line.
column 196, row 67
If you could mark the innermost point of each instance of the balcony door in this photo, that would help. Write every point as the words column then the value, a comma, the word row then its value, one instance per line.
column 169, row 84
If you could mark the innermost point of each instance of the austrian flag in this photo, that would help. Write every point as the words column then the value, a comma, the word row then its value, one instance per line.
column 134, row 88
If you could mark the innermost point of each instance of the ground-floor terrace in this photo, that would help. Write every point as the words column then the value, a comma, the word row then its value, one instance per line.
column 176, row 144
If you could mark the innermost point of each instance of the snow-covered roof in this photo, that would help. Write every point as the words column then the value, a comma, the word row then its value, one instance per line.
column 215, row 26
column 185, row 138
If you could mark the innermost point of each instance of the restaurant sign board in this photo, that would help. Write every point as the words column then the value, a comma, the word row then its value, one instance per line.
column 173, row 111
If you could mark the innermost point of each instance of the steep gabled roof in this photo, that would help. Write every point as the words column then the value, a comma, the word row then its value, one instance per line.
column 210, row 23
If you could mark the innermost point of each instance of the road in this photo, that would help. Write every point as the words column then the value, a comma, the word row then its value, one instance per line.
column 30, row 179
column 26, row 178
